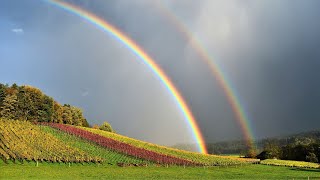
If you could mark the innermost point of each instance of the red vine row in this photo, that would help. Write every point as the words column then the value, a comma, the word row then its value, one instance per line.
column 122, row 147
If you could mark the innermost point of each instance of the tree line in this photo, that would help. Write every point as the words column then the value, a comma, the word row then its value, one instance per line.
column 31, row 104
column 300, row 147
column 306, row 149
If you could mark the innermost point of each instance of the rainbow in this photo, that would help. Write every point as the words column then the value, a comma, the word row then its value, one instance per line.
column 147, row 60
column 216, row 71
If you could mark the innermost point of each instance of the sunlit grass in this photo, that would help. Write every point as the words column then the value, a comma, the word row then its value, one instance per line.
column 94, row 171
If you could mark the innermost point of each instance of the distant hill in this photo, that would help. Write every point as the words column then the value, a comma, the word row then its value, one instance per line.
column 239, row 146
column 303, row 138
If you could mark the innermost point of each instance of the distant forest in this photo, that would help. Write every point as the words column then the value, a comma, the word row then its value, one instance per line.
column 31, row 104
column 239, row 146
column 302, row 147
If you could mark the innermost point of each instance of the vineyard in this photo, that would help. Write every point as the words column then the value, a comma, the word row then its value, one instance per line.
column 288, row 163
column 21, row 140
column 108, row 156
column 124, row 148
column 197, row 158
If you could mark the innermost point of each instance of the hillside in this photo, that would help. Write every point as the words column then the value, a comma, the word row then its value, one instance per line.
column 33, row 128
column 52, row 142
column 23, row 141
column 191, row 156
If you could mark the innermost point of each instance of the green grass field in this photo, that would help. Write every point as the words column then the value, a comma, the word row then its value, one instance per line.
column 94, row 171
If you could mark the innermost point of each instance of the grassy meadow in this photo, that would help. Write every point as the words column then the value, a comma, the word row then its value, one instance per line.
column 95, row 171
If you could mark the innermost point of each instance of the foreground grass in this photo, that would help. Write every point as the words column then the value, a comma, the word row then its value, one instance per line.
column 94, row 171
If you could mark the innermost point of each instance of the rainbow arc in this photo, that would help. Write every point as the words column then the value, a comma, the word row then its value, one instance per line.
column 145, row 58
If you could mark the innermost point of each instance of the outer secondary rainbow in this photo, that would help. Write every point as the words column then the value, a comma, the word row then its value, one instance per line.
column 215, row 69
column 130, row 44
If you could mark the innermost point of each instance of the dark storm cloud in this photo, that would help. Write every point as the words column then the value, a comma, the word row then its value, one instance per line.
column 270, row 50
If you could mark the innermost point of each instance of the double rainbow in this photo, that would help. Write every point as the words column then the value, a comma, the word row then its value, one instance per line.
column 144, row 57
column 216, row 70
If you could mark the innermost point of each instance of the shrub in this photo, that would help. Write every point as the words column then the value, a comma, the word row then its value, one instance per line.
column 95, row 126
column 106, row 127
column 251, row 153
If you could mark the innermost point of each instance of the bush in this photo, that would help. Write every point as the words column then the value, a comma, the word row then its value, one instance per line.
column 95, row 126
column 267, row 155
column 106, row 127
column 251, row 153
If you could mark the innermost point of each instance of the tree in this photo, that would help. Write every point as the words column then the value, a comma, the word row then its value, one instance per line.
column 57, row 113
column 106, row 127
column 37, row 111
column 77, row 116
column 8, row 108
column 24, row 104
column 47, row 107
column 67, row 114
column 311, row 157
column 31, row 104
column 85, row 123
column 250, row 152
column 2, row 93
column 272, row 149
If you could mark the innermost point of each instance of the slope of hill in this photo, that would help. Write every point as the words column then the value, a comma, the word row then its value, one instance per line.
column 191, row 156
column 108, row 156
column 122, row 147
column 21, row 140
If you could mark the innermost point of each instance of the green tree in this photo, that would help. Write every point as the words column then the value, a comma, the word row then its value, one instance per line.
column 273, row 149
column 2, row 93
column 46, row 109
column 77, row 116
column 67, row 114
column 31, row 104
column 57, row 113
column 106, row 127
column 85, row 123
column 9, row 106
column 25, row 104
column 312, row 157
column 35, row 104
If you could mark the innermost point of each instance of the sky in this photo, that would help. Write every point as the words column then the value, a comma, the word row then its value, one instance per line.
column 268, row 49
